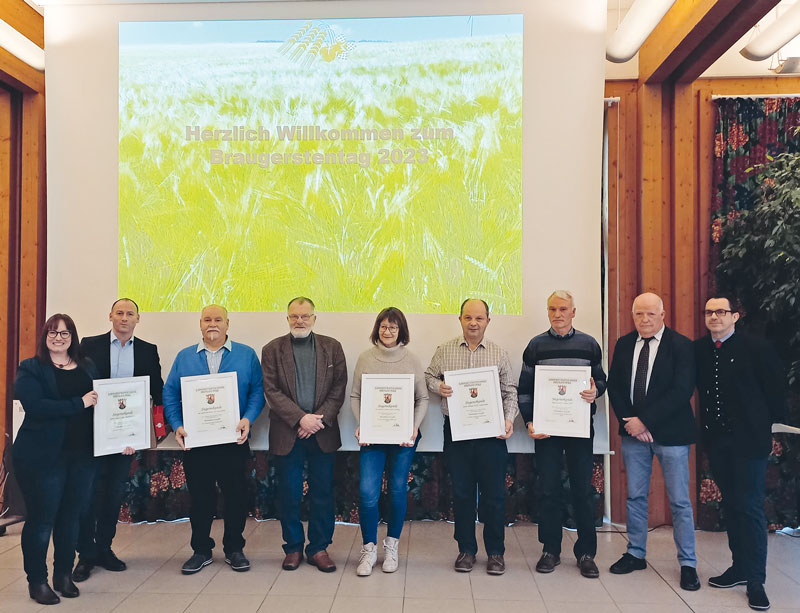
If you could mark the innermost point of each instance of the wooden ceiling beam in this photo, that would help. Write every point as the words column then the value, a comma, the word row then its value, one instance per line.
column 24, row 19
column 694, row 34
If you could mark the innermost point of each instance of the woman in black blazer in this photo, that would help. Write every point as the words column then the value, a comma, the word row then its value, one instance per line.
column 53, row 454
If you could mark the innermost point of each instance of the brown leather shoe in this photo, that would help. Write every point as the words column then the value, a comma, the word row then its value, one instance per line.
column 322, row 561
column 464, row 562
column 588, row 567
column 292, row 560
column 548, row 562
column 496, row 565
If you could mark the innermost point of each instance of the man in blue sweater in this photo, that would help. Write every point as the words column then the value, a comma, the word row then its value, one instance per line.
column 223, row 464
column 563, row 345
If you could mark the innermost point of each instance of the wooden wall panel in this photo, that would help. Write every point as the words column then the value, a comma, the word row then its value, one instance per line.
column 623, row 241
column 33, row 237
column 6, row 164
column 22, row 202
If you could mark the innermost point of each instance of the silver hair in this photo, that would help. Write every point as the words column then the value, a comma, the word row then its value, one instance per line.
column 563, row 294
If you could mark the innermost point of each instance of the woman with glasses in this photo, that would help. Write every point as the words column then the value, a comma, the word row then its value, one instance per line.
column 53, row 454
column 388, row 355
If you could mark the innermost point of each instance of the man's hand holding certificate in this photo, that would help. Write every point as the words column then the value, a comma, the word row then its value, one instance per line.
column 122, row 415
column 562, row 401
column 476, row 405
column 210, row 410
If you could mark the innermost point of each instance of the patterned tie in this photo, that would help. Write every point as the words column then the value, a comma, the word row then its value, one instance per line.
column 640, row 380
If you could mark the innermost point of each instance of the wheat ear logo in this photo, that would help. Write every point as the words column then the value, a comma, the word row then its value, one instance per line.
column 315, row 41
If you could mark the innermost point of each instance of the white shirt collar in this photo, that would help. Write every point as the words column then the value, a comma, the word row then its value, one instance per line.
column 656, row 336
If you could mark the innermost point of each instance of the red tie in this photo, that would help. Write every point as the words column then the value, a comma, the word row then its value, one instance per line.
column 717, row 344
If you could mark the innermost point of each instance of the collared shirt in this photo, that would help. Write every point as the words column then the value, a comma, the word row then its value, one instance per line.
column 456, row 355
column 214, row 358
column 724, row 338
column 121, row 357
column 637, row 349
column 555, row 334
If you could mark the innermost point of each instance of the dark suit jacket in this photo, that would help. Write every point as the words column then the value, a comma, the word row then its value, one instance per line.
column 752, row 386
column 280, row 388
column 145, row 361
column 41, row 436
column 667, row 411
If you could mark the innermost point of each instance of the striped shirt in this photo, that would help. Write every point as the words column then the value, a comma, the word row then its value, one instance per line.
column 214, row 358
column 456, row 355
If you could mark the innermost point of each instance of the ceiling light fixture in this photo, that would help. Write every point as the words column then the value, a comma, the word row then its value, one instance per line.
column 639, row 22
column 780, row 32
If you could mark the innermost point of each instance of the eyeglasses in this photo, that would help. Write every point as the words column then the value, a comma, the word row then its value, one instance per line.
column 391, row 329
column 65, row 334
column 717, row 312
column 300, row 317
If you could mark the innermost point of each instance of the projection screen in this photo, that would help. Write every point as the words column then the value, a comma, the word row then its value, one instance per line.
column 365, row 154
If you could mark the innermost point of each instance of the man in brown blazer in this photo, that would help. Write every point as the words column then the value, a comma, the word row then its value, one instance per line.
column 305, row 376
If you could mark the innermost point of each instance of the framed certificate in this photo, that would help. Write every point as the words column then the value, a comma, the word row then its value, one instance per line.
column 387, row 409
column 210, row 409
column 558, row 409
column 122, row 415
column 476, row 406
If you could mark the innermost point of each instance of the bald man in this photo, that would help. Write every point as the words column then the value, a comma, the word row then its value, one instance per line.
column 650, row 385
column 224, row 464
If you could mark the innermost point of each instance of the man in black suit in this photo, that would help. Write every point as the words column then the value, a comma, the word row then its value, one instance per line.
column 650, row 385
column 742, row 393
column 115, row 354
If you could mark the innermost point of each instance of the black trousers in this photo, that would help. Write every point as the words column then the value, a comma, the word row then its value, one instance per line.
column 478, row 471
column 580, row 464
column 742, row 482
column 99, row 522
column 205, row 468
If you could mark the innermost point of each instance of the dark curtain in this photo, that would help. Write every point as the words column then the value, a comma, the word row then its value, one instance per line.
column 157, row 488
column 749, row 133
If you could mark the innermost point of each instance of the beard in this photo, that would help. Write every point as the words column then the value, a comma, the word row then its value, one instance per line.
column 300, row 332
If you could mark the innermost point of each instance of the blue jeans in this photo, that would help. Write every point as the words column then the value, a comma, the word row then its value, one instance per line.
column 55, row 498
column 674, row 460
column 478, row 470
column 741, row 481
column 373, row 460
column 320, row 493
column 99, row 521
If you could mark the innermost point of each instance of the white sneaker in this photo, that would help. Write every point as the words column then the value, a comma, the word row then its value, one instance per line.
column 369, row 555
column 390, row 554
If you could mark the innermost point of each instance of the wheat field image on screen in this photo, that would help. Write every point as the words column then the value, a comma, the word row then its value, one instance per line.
column 420, row 236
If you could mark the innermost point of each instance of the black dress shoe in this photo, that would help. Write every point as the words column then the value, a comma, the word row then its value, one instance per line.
column 109, row 561
column 82, row 571
column 627, row 564
column 42, row 593
column 689, row 580
column 64, row 585
column 757, row 597
column 729, row 578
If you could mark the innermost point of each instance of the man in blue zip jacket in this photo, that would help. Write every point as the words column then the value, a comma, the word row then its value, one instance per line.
column 224, row 463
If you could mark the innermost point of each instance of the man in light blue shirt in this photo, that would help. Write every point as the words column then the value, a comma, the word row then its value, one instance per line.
column 222, row 464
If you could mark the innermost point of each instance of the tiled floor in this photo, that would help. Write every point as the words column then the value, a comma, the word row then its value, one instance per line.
column 425, row 581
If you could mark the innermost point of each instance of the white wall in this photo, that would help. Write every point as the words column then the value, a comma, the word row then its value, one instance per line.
column 561, row 175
